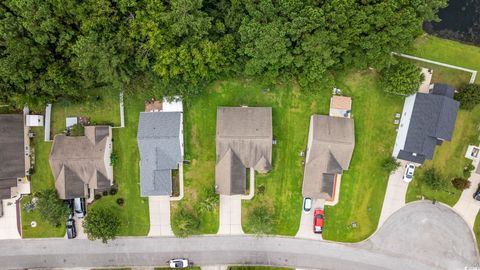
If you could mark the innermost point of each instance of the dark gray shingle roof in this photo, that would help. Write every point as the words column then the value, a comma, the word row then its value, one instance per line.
column 433, row 117
column 12, row 160
column 160, row 151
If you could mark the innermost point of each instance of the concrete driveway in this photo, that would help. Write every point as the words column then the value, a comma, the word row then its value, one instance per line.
column 395, row 194
column 306, row 222
column 466, row 206
column 8, row 222
column 420, row 236
column 159, row 207
column 230, row 215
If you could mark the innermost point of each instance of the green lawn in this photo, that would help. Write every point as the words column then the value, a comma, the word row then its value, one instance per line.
column 105, row 110
column 453, row 77
column 476, row 229
column 449, row 158
column 42, row 179
column 257, row 268
column 363, row 185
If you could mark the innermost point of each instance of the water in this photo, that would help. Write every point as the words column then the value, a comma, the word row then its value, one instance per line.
column 459, row 21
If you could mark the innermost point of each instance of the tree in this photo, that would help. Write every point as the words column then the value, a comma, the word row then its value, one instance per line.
column 102, row 223
column 434, row 179
column 402, row 78
column 468, row 96
column 51, row 208
column 460, row 183
column 390, row 164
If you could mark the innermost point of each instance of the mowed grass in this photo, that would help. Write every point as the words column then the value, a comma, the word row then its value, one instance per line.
column 453, row 77
column 449, row 157
column 364, row 184
column 476, row 229
column 104, row 110
column 42, row 179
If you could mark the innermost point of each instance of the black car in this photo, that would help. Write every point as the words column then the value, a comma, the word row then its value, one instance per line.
column 476, row 195
column 71, row 231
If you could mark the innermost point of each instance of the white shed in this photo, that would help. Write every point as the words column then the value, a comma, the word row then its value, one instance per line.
column 34, row 121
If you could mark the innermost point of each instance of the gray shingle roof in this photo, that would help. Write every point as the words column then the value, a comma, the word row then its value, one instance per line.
column 12, row 159
column 433, row 117
column 243, row 140
column 160, row 151
column 331, row 149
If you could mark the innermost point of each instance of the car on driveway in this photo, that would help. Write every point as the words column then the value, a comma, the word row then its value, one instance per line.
column 409, row 171
column 79, row 207
column 318, row 220
column 476, row 195
column 71, row 231
column 307, row 205
column 178, row 263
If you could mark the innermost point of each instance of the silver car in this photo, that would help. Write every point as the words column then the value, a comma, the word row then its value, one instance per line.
column 409, row 171
column 307, row 205
column 178, row 263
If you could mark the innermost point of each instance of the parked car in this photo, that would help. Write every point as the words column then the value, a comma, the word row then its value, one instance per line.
column 476, row 195
column 178, row 263
column 318, row 220
column 79, row 207
column 307, row 205
column 409, row 171
column 71, row 230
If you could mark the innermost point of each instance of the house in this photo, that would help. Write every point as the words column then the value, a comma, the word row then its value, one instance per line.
column 81, row 165
column 427, row 120
column 160, row 142
column 243, row 140
column 340, row 106
column 12, row 154
column 331, row 141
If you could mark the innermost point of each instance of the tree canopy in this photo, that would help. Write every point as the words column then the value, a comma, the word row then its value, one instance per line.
column 102, row 223
column 468, row 96
column 52, row 209
column 51, row 49
column 402, row 78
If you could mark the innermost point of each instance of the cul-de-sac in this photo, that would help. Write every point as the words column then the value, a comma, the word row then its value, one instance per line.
column 240, row 135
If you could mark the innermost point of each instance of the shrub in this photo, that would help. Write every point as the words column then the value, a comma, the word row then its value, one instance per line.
column 102, row 223
column 468, row 96
column 97, row 196
column 121, row 201
column 210, row 202
column 467, row 170
column 434, row 179
column 113, row 159
column 460, row 183
column 261, row 189
column 77, row 130
column 51, row 208
column 390, row 165
column 186, row 221
column 105, row 193
column 113, row 191
column 402, row 78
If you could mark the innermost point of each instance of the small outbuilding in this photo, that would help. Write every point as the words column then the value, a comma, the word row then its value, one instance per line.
column 34, row 121
column 340, row 106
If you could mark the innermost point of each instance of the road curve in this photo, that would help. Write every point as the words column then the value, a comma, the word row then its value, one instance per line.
column 408, row 240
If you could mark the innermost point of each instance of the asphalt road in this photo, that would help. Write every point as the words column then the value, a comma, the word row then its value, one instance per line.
column 418, row 236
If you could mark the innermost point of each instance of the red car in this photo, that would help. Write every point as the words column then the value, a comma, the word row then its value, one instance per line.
column 318, row 220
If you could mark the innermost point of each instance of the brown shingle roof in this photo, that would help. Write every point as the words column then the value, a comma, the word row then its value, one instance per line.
column 331, row 144
column 243, row 140
column 79, row 162
column 342, row 103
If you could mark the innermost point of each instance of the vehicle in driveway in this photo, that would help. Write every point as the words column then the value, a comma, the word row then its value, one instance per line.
column 409, row 171
column 476, row 195
column 318, row 220
column 307, row 205
column 79, row 207
column 178, row 263
column 71, row 231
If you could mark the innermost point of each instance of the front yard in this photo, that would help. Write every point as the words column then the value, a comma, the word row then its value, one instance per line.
column 449, row 157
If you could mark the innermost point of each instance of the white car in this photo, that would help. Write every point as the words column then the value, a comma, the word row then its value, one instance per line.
column 307, row 205
column 409, row 171
column 178, row 263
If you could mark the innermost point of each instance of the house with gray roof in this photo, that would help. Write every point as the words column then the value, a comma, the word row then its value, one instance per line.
column 160, row 142
column 12, row 153
column 331, row 141
column 243, row 140
column 427, row 120
column 81, row 165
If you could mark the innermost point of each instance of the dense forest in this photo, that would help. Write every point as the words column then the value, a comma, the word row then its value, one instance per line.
column 70, row 48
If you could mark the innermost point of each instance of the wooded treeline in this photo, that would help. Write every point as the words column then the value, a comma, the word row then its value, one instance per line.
column 70, row 48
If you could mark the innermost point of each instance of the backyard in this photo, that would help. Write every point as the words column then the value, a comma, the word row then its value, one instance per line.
column 103, row 109
column 476, row 229
column 449, row 158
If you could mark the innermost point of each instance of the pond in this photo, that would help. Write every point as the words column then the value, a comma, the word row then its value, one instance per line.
column 460, row 20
